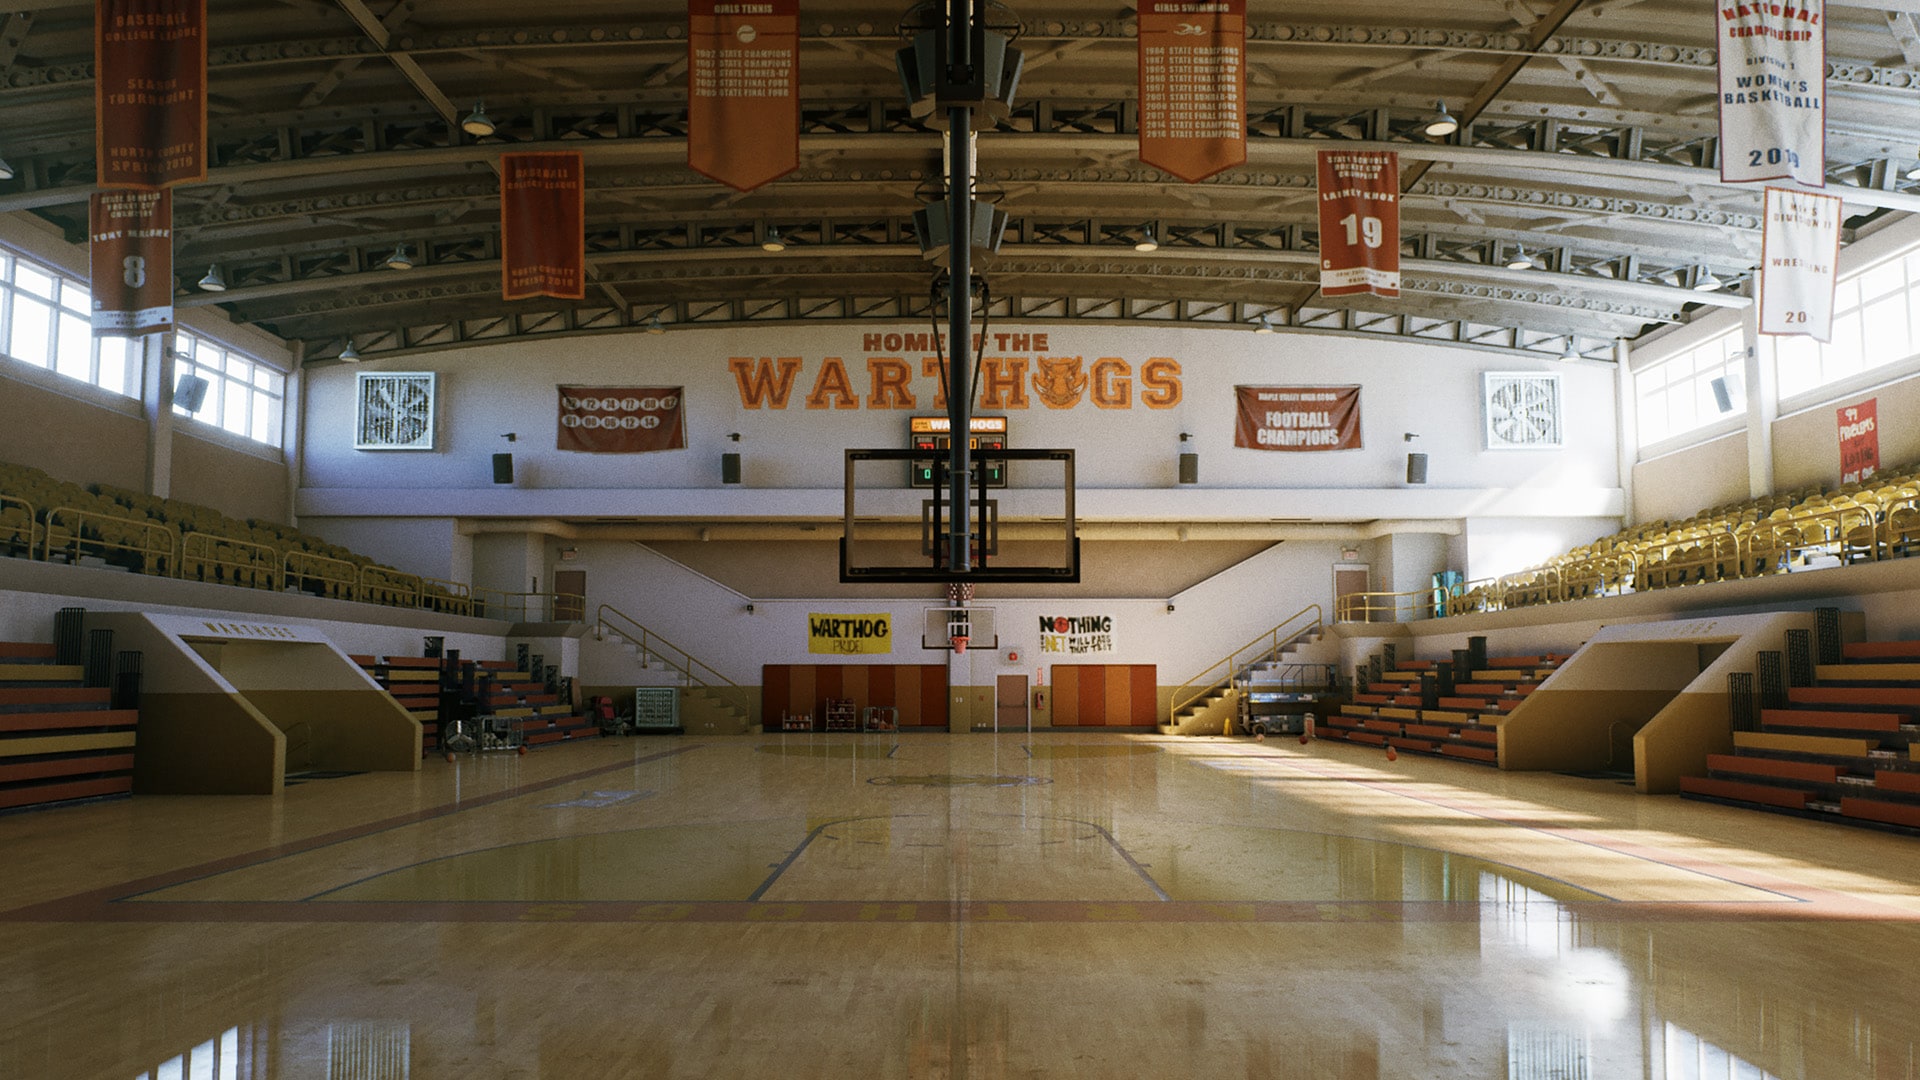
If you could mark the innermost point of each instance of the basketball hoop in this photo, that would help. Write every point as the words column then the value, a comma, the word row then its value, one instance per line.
column 959, row 630
column 959, row 644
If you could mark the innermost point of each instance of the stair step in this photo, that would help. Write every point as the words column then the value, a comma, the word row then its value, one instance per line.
column 41, row 673
column 22, row 652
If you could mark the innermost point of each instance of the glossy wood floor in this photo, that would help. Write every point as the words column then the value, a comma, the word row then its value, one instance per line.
column 953, row 906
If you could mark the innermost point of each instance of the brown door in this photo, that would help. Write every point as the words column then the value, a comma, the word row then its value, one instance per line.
column 1010, row 702
column 1346, row 581
column 570, row 596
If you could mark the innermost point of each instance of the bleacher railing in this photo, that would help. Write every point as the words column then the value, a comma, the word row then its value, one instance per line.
column 611, row 620
column 528, row 606
column 226, row 561
column 19, row 526
column 143, row 546
column 321, row 575
column 1297, row 627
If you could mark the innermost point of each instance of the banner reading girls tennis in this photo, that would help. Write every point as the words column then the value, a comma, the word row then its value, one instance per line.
column 1359, row 222
column 622, row 419
column 1773, row 74
column 743, row 90
column 1193, row 85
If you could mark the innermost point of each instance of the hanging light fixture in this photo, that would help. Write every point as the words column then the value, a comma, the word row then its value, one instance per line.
column 478, row 124
column 1146, row 241
column 401, row 259
column 214, row 281
column 1708, row 281
column 6, row 170
column 655, row 326
column 1521, row 260
column 1266, row 324
column 773, row 241
column 1912, row 173
column 1573, row 351
column 350, row 354
column 1442, row 123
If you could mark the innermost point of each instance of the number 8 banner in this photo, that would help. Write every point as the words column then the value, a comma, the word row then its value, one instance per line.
column 1359, row 222
column 131, row 244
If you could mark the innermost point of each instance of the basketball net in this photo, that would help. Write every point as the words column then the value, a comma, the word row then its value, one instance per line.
column 959, row 644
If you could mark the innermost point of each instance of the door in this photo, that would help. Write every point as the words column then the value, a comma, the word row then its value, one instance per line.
column 1010, row 702
column 570, row 596
column 1346, row 580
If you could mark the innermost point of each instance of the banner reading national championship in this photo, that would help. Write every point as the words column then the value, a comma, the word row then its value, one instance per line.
column 743, row 90
column 1799, row 254
column 543, row 225
column 1297, row 418
column 1193, row 85
column 1359, row 222
column 1773, row 74
column 150, row 92
column 130, row 239
column 622, row 419
column 1859, row 440
column 847, row 635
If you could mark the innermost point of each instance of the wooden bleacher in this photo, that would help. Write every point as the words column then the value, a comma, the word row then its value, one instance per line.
column 1405, row 710
column 60, row 741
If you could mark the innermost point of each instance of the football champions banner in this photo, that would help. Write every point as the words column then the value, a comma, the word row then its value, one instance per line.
column 622, row 419
column 130, row 238
column 1297, row 418
column 1193, row 85
column 1859, row 440
column 848, row 635
column 1359, row 222
column 1773, row 73
column 1799, row 252
column 150, row 92
column 543, row 225
column 743, row 90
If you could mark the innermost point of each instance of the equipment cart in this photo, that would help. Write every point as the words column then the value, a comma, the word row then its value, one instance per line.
column 840, row 714
column 880, row 718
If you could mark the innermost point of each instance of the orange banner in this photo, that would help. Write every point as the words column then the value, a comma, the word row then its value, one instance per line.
column 1297, row 418
column 1859, row 440
column 150, row 92
column 622, row 419
column 130, row 236
column 543, row 225
column 743, row 90
column 1193, row 86
column 1359, row 222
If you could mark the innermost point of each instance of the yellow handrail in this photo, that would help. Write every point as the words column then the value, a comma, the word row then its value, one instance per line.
column 267, row 559
column 1266, row 645
column 149, row 540
column 21, row 533
column 455, row 598
column 696, row 670
column 322, row 575
column 529, row 606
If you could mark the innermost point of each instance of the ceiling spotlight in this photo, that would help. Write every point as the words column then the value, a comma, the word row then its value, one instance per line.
column 6, row 170
column 773, row 241
column 1912, row 173
column 1573, row 351
column 350, row 354
column 1442, row 123
column 1146, row 241
column 1521, row 260
column 478, row 124
column 1707, row 281
column 401, row 259
column 1266, row 325
column 215, row 281
column 655, row 326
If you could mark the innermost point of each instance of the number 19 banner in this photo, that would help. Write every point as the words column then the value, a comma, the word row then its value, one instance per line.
column 1799, row 247
column 131, row 243
column 1773, row 76
column 1359, row 222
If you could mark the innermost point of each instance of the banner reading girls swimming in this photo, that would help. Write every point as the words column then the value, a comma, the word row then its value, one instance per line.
column 1359, row 222
column 1773, row 73
column 622, row 419
column 1193, row 85
column 130, row 237
column 150, row 92
column 1799, row 254
column 743, row 90
column 543, row 225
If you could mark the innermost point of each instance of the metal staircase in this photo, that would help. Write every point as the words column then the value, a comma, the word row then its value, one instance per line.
column 1204, row 704
column 710, row 703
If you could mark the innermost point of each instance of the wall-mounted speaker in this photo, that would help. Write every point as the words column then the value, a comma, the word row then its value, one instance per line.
column 1722, row 395
column 729, row 468
column 1189, row 468
column 503, row 468
column 1416, row 468
column 190, row 393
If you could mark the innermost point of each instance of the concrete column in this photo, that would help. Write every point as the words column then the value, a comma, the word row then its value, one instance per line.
column 1628, row 411
column 292, row 424
column 1763, row 404
column 156, row 400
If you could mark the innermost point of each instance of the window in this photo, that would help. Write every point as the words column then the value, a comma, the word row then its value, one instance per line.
column 243, row 396
column 1876, row 324
column 1692, row 389
column 45, row 321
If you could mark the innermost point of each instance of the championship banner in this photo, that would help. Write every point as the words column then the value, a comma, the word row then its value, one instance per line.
column 849, row 635
column 1297, row 418
column 1359, row 222
column 1773, row 73
column 1193, row 86
column 743, row 90
column 622, row 419
column 543, row 225
column 130, row 238
column 1076, row 634
column 1799, row 253
column 150, row 92
column 1859, row 441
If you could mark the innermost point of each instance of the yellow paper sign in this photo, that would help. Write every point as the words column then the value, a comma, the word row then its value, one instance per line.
column 847, row 635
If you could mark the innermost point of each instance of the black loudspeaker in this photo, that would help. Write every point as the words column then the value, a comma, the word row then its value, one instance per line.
column 729, row 468
column 1189, row 468
column 503, row 468
column 1722, row 397
column 190, row 393
column 1416, row 468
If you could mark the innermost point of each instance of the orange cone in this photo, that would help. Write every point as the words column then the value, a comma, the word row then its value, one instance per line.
column 1392, row 754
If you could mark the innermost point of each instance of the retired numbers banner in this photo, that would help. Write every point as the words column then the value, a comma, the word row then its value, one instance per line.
column 1297, row 418
column 622, row 419
column 743, row 90
column 543, row 225
column 1773, row 73
column 130, row 238
column 150, row 92
column 1799, row 250
column 1193, row 86
column 1359, row 222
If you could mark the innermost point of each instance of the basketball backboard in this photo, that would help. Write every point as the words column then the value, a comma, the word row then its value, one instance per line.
column 1024, row 532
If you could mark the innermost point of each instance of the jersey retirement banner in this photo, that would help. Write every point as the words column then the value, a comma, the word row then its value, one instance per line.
column 543, row 225
column 1359, row 222
column 1799, row 250
column 743, row 90
column 1859, row 440
column 130, row 239
column 1773, row 73
column 622, row 419
column 150, row 92
column 1297, row 418
column 1193, row 86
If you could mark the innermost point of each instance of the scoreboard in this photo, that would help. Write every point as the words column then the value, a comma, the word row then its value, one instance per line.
column 935, row 433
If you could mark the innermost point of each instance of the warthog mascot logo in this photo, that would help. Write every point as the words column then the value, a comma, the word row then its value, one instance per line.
column 1059, row 382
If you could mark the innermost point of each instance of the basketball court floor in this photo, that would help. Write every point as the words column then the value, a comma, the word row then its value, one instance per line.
column 953, row 906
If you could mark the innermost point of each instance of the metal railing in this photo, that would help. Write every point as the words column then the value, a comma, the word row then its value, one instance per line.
column 143, row 546
column 611, row 620
column 222, row 560
column 17, row 529
column 1296, row 627
column 529, row 606
column 322, row 575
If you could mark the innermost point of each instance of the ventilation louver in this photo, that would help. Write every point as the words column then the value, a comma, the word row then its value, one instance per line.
column 1523, row 410
column 395, row 411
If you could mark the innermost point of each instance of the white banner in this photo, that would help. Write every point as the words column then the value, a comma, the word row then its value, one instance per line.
column 1799, row 250
column 1773, row 73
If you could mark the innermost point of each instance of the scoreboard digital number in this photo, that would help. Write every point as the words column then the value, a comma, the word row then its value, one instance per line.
column 935, row 433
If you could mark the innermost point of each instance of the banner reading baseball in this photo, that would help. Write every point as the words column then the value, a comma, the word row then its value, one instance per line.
column 543, row 225
column 130, row 239
column 743, row 90
column 1799, row 253
column 1297, row 418
column 1193, row 85
column 1859, row 440
column 150, row 92
column 622, row 419
column 1773, row 74
column 1359, row 222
